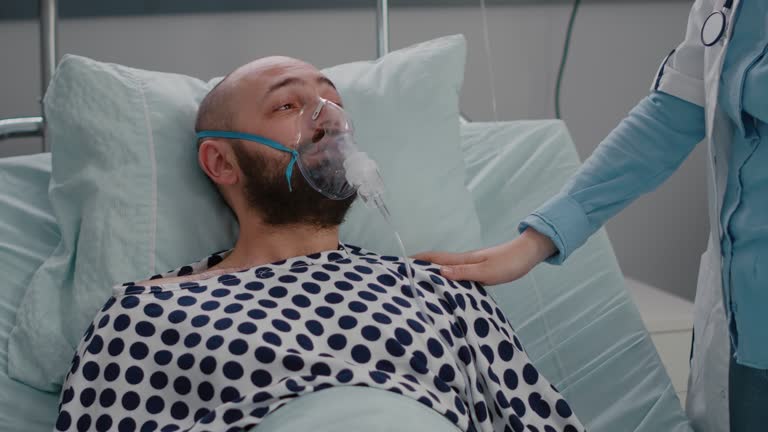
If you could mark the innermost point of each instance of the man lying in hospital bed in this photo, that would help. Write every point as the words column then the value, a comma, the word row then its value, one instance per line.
column 224, row 342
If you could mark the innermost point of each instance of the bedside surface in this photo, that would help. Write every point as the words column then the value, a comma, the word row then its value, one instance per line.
column 661, row 311
column 669, row 320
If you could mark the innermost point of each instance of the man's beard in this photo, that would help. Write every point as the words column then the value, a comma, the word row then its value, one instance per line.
column 266, row 192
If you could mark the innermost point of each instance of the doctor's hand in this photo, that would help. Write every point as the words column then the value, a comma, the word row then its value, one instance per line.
column 495, row 265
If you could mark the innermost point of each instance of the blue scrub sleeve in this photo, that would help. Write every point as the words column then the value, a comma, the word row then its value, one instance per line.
column 635, row 158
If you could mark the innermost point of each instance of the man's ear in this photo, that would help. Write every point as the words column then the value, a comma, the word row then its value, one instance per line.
column 217, row 159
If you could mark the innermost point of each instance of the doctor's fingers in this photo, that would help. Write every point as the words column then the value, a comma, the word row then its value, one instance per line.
column 470, row 272
column 493, row 271
column 471, row 266
column 451, row 258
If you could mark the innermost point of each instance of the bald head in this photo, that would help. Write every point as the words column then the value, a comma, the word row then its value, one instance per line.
column 264, row 98
column 234, row 98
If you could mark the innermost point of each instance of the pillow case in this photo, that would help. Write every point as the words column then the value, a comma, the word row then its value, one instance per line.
column 28, row 235
column 577, row 321
column 131, row 201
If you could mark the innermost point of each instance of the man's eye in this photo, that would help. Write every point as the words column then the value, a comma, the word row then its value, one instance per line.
column 285, row 107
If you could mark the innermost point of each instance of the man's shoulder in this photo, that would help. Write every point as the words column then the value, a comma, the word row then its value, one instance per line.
column 358, row 254
column 176, row 275
column 424, row 271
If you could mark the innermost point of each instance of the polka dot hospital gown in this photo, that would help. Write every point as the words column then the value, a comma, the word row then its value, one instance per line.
column 220, row 354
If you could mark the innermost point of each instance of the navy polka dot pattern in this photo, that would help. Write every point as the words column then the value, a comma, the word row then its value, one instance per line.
column 222, row 353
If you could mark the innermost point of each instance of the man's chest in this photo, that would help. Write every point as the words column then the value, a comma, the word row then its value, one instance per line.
column 291, row 322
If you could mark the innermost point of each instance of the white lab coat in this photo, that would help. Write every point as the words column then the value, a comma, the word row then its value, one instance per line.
column 692, row 73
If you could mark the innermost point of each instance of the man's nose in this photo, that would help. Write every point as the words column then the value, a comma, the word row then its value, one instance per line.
column 318, row 134
column 332, row 123
column 327, row 118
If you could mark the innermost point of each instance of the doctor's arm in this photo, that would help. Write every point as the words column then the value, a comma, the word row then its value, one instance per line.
column 635, row 158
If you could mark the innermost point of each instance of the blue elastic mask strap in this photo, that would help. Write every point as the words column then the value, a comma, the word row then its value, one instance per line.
column 257, row 139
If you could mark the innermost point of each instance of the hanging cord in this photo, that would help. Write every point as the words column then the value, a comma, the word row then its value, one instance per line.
column 487, row 41
column 564, row 58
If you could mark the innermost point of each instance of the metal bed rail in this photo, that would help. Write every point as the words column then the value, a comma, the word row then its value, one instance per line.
column 21, row 127
column 35, row 126
column 382, row 27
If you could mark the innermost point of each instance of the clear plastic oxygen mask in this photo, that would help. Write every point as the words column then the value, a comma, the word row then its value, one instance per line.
column 331, row 161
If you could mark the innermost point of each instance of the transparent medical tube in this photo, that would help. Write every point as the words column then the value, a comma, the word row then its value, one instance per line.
column 420, row 303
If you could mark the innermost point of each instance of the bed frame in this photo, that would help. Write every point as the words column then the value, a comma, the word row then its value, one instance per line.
column 35, row 126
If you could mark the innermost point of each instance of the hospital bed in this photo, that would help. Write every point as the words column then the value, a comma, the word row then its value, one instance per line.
column 578, row 322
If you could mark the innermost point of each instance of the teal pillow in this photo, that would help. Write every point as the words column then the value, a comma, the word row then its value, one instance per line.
column 577, row 321
column 28, row 235
column 131, row 201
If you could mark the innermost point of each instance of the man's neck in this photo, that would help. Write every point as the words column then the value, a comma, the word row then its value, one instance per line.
column 259, row 244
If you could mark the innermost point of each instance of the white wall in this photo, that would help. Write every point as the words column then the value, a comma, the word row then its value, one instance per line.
column 615, row 52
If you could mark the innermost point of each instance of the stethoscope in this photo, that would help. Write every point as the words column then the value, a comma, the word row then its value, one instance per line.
column 715, row 25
